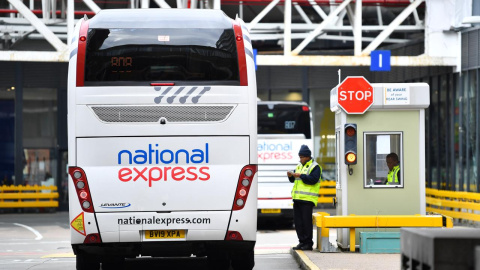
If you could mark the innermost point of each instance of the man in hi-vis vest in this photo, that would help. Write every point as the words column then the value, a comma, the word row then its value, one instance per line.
column 307, row 177
column 393, row 177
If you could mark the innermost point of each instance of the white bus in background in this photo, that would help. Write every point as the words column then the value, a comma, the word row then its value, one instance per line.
column 162, row 125
column 282, row 128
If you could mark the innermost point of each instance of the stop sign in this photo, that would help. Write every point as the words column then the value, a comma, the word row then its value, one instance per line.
column 355, row 95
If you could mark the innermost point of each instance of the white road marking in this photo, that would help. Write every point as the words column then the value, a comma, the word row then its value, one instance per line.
column 39, row 243
column 39, row 236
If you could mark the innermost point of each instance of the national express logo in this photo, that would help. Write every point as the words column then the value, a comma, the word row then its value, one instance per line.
column 196, row 161
column 275, row 151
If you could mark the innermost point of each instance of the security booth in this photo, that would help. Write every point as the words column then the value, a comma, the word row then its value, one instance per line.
column 371, row 122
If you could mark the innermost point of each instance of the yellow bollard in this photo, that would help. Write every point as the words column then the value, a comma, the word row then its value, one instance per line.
column 352, row 239
column 323, row 233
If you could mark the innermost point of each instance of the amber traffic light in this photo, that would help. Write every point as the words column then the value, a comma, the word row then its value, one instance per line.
column 350, row 144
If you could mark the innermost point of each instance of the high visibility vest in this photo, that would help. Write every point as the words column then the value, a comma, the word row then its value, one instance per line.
column 393, row 176
column 302, row 191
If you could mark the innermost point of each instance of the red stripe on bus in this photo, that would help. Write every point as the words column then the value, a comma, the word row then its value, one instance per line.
column 242, row 61
column 82, row 48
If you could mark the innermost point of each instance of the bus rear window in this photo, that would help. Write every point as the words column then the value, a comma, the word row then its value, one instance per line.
column 142, row 56
column 283, row 119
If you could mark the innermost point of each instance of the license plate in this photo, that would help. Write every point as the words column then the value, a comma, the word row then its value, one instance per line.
column 271, row 211
column 165, row 234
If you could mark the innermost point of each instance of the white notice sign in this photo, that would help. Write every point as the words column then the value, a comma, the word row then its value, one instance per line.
column 397, row 94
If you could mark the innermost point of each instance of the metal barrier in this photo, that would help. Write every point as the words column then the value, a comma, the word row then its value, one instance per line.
column 327, row 192
column 324, row 222
column 456, row 204
column 28, row 196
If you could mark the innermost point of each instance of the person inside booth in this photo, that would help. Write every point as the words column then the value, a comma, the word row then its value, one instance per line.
column 393, row 177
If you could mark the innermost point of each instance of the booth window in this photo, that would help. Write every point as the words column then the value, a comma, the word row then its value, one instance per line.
column 377, row 146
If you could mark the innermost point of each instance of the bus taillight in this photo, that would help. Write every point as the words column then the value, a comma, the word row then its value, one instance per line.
column 242, row 62
column 82, row 48
column 92, row 238
column 234, row 235
column 243, row 187
column 81, row 186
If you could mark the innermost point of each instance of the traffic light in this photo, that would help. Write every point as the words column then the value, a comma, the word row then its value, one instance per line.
column 350, row 144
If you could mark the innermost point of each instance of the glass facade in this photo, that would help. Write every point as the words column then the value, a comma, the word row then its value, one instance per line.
column 452, row 132
column 7, row 135
column 33, row 115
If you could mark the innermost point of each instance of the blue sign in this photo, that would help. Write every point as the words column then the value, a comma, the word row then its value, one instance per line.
column 255, row 58
column 380, row 61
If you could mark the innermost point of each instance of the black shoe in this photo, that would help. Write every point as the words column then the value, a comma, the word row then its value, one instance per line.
column 298, row 247
column 306, row 247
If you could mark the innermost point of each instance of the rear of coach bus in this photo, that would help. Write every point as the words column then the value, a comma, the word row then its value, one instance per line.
column 162, row 137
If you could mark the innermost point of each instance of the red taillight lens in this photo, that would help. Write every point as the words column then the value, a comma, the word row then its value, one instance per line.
column 81, row 186
column 243, row 187
column 234, row 235
column 305, row 108
column 92, row 238
column 83, row 38
column 83, row 194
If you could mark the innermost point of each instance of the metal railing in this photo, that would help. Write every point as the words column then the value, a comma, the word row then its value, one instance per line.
column 327, row 192
column 28, row 196
column 456, row 204
column 324, row 222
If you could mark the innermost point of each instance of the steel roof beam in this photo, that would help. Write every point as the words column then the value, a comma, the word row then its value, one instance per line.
column 277, row 36
column 357, row 29
column 334, row 60
column 39, row 25
column 391, row 27
column 262, row 14
column 32, row 56
column 302, row 13
column 162, row 3
column 92, row 6
column 319, row 29
column 343, row 28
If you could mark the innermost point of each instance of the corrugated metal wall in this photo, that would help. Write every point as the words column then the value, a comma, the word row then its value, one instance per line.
column 470, row 47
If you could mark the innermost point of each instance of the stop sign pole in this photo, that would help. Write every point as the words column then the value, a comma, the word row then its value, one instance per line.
column 355, row 95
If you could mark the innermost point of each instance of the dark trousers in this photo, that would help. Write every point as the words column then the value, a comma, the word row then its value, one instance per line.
column 302, row 216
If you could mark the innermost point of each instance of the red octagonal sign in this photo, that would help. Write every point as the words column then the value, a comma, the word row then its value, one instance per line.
column 355, row 95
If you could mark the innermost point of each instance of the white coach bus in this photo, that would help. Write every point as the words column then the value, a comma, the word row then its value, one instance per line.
column 282, row 128
column 162, row 126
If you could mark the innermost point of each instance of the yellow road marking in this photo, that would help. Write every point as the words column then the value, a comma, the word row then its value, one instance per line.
column 308, row 263
column 60, row 255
